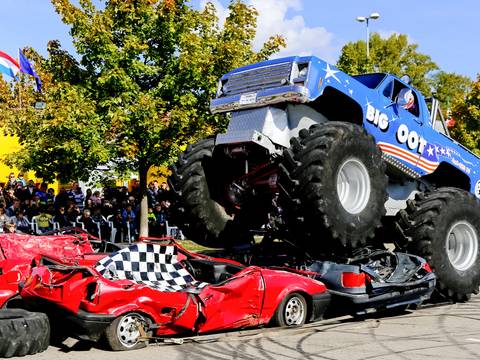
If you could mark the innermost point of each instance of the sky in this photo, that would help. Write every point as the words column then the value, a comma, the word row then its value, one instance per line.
column 445, row 30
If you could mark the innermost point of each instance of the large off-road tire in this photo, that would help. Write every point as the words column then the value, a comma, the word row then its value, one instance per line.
column 200, row 178
column 205, row 217
column 443, row 226
column 292, row 311
column 23, row 332
column 124, row 332
column 334, row 178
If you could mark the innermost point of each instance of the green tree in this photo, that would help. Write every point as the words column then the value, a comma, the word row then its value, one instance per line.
column 450, row 86
column 140, row 92
column 466, row 113
column 394, row 55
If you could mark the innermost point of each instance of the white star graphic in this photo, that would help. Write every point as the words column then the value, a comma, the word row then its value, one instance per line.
column 368, row 102
column 331, row 73
column 437, row 149
column 430, row 151
column 350, row 92
column 442, row 150
column 448, row 153
column 347, row 81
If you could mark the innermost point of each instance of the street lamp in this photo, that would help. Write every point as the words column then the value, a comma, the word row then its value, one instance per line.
column 366, row 19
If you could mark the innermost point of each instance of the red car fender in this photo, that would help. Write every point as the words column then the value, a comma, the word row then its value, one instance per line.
column 64, row 289
column 278, row 284
column 172, row 309
column 14, row 271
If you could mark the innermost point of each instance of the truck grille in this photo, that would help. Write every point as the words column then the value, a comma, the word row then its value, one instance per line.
column 258, row 79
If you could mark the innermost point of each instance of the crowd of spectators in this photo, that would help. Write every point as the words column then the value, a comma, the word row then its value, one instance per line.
column 98, row 212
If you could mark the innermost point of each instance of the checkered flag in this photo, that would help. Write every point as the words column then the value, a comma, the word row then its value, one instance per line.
column 152, row 265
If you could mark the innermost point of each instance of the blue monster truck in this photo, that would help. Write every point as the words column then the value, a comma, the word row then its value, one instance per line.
column 334, row 162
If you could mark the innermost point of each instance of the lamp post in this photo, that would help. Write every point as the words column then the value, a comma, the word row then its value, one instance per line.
column 366, row 19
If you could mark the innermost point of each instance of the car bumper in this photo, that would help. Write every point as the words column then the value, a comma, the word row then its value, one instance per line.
column 365, row 303
column 320, row 303
column 88, row 326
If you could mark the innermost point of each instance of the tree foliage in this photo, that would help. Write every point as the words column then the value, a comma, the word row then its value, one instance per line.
column 450, row 87
column 394, row 55
column 466, row 112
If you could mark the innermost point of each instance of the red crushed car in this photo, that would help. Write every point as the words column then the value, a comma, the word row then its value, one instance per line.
column 18, row 250
column 155, row 289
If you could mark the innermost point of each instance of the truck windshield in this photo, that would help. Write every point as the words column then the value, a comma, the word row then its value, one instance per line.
column 370, row 80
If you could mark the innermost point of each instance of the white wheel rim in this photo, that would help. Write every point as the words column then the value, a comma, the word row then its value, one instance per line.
column 353, row 185
column 294, row 311
column 127, row 330
column 462, row 245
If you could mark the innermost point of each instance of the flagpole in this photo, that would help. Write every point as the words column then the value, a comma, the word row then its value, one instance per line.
column 19, row 85
column 20, row 94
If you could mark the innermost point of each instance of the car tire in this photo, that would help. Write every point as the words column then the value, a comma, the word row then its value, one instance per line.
column 23, row 332
column 292, row 311
column 123, row 333
column 443, row 226
column 335, row 186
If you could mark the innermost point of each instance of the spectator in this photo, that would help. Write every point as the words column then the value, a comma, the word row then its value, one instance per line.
column 13, row 209
column 100, row 219
column 79, row 198
column 88, row 223
column 42, row 194
column 32, row 210
column 30, row 190
column 21, row 222
column 119, row 226
column 2, row 198
column 163, row 192
column 9, row 196
column 73, row 212
column 11, row 182
column 61, row 218
column 160, row 215
column 96, row 198
column 3, row 218
column 129, row 216
column 10, row 226
column 50, row 196
column 88, row 195
column 152, row 223
column 20, row 180
column 19, row 192
column 44, row 220
column 61, row 200
column 152, row 195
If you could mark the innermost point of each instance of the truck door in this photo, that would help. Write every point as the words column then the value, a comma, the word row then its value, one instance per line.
column 404, row 140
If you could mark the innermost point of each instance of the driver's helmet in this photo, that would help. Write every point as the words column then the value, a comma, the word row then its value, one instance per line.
column 406, row 99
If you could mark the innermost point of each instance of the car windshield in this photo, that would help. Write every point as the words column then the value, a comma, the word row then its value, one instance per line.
column 370, row 80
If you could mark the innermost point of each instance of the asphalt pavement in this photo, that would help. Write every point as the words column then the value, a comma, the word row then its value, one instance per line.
column 440, row 332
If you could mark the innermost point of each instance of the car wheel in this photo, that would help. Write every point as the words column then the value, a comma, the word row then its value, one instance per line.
column 335, row 185
column 443, row 226
column 292, row 311
column 124, row 332
column 23, row 332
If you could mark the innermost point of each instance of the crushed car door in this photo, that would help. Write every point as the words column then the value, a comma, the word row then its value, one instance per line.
column 235, row 303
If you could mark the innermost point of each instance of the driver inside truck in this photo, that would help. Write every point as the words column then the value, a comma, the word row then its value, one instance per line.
column 406, row 99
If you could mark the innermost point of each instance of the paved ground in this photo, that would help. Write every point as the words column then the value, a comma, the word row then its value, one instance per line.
column 443, row 332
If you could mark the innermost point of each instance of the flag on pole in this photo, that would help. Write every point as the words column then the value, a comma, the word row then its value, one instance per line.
column 27, row 68
column 8, row 65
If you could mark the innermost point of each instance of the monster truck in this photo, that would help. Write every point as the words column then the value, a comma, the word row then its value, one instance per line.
column 325, row 159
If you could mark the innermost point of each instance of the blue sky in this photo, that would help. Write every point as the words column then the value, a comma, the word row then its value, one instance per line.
column 445, row 30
